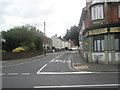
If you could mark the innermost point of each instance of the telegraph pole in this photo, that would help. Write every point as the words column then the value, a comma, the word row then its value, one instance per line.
column 44, row 28
column 44, row 48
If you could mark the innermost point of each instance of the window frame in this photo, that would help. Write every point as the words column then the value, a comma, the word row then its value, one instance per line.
column 97, row 12
column 117, row 41
column 119, row 11
column 98, row 43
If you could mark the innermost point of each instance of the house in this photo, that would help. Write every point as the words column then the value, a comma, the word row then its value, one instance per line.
column 59, row 43
column 56, row 42
column 99, row 35
column 47, row 42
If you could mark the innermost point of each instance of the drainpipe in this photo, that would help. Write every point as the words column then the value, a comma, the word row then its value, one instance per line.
column 108, row 30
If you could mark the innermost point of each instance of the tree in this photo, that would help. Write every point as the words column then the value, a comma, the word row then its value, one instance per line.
column 72, row 34
column 21, row 36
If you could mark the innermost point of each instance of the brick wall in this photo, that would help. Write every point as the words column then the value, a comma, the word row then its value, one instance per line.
column 113, row 13
column 110, row 16
column 19, row 55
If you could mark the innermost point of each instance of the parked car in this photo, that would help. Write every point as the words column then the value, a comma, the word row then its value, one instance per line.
column 72, row 49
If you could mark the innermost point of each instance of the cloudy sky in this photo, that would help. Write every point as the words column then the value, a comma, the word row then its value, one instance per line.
column 59, row 15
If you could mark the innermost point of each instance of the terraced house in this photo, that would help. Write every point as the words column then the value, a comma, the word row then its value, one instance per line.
column 99, row 35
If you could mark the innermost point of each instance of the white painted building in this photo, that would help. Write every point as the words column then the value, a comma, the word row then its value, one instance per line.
column 56, row 42
column 67, row 44
column 59, row 43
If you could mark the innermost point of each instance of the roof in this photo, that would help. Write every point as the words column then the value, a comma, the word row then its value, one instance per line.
column 97, row 1
column 103, row 1
column 112, row 0
column 82, row 16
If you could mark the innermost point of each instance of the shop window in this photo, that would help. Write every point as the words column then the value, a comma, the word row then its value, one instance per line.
column 117, row 42
column 98, row 43
column 97, row 12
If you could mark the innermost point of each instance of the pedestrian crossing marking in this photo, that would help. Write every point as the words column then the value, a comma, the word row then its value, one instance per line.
column 59, row 61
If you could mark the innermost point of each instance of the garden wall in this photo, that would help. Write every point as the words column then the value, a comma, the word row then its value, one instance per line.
column 19, row 55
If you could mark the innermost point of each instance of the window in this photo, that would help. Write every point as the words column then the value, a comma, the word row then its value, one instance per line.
column 119, row 11
column 98, row 43
column 97, row 12
column 117, row 42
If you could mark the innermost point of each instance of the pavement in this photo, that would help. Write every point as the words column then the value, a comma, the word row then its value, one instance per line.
column 80, row 64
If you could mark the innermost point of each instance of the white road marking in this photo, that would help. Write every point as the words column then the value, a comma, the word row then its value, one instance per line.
column 72, row 86
column 57, row 57
column 25, row 73
column 63, row 73
column 41, row 68
column 52, row 60
column 56, row 60
column 1, row 66
column 1, row 74
column 20, row 63
column 12, row 73
column 63, row 60
column 67, row 61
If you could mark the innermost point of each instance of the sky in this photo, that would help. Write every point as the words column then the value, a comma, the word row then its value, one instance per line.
column 59, row 15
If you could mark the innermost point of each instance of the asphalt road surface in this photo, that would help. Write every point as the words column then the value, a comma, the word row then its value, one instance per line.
column 53, row 71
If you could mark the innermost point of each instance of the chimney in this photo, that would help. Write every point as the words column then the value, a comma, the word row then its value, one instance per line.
column 88, row 2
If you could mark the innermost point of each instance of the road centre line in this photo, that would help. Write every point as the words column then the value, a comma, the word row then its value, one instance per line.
column 25, row 73
column 57, row 57
column 12, row 73
column 41, row 69
column 1, row 66
column 1, row 74
column 52, row 60
column 72, row 86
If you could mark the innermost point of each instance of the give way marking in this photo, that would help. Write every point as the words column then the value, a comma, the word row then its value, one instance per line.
column 59, row 73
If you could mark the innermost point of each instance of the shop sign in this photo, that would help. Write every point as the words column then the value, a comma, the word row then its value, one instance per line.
column 102, row 31
column 98, row 31
column 115, row 29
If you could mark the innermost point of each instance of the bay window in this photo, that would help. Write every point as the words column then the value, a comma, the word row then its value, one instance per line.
column 97, row 12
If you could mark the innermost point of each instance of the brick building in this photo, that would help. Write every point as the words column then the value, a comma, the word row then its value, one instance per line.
column 100, row 31
column 47, row 42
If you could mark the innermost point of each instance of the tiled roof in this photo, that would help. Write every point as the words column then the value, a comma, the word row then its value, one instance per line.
column 102, row 1
column 97, row 1
column 112, row 0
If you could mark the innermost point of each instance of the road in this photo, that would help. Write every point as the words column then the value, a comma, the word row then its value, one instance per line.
column 53, row 71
